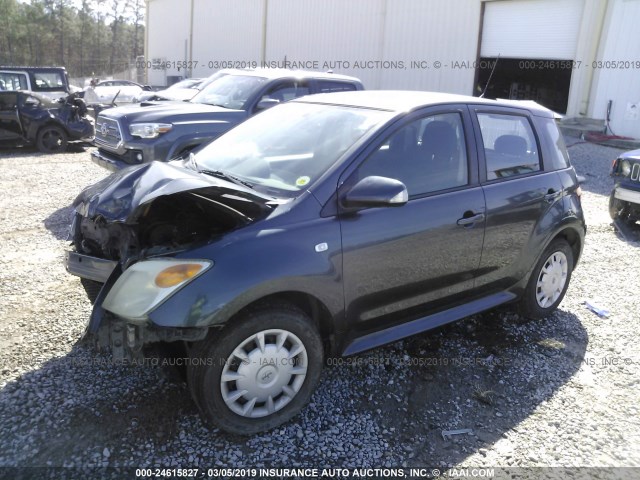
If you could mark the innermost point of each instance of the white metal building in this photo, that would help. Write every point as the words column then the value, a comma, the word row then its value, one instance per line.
column 574, row 56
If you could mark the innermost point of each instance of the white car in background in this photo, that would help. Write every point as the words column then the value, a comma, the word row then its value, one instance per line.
column 182, row 90
column 122, row 91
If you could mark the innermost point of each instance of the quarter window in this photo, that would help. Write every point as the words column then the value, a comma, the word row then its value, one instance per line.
column 427, row 155
column 559, row 154
column 509, row 144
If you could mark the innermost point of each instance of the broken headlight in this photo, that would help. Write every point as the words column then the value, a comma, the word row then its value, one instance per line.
column 148, row 283
column 149, row 130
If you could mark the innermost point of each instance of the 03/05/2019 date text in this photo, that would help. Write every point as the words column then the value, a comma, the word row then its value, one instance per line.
column 191, row 64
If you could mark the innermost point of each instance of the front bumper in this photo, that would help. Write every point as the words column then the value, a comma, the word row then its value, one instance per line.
column 93, row 268
column 627, row 195
column 112, row 163
column 126, row 341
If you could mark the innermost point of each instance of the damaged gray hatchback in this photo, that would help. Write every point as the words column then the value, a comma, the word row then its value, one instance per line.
column 328, row 225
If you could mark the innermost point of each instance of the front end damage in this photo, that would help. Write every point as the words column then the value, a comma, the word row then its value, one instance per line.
column 624, row 201
column 126, row 233
column 73, row 114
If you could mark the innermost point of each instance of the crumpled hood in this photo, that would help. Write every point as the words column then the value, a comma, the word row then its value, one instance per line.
column 118, row 197
column 169, row 111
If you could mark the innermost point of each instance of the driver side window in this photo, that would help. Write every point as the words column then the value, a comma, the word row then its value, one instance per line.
column 427, row 155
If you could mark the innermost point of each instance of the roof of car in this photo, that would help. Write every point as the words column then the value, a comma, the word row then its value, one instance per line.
column 102, row 82
column 275, row 73
column 403, row 101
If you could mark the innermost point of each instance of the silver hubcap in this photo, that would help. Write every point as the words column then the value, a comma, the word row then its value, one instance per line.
column 264, row 373
column 552, row 279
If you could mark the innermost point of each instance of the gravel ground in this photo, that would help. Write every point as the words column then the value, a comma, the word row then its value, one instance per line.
column 560, row 392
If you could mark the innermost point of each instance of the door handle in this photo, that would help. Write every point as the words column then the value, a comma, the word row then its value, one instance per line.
column 551, row 195
column 464, row 221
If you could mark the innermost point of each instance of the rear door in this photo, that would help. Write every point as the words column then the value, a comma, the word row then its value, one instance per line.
column 424, row 255
column 10, row 127
column 522, row 199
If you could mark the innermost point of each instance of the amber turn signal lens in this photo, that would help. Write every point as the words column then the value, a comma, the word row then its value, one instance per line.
column 172, row 276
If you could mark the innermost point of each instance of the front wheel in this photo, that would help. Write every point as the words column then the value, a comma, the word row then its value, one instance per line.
column 52, row 139
column 259, row 372
column 549, row 281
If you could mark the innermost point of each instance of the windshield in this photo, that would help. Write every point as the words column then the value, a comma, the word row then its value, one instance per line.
column 286, row 148
column 229, row 91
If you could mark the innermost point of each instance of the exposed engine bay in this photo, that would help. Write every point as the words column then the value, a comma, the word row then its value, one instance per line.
column 165, row 224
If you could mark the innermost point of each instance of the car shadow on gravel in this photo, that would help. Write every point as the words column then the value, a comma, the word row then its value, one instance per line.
column 629, row 232
column 95, row 402
column 388, row 407
column 481, row 377
column 59, row 222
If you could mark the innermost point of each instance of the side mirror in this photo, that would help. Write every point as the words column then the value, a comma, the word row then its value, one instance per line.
column 581, row 179
column 376, row 192
column 147, row 88
column 267, row 103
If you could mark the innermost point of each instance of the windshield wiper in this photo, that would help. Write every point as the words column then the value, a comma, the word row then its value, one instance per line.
column 226, row 176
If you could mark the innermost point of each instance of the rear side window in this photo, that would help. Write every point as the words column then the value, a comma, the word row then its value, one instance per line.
column 327, row 86
column 558, row 149
column 13, row 81
column 509, row 144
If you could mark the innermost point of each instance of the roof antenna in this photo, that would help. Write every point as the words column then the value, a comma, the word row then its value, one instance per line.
column 490, row 76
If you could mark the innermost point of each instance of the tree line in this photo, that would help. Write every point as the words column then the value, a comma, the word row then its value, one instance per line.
column 88, row 37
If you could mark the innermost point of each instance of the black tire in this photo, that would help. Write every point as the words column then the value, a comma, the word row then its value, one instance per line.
column 537, row 302
column 265, row 370
column 52, row 139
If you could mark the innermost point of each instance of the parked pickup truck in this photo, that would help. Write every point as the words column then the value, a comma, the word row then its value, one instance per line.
column 132, row 135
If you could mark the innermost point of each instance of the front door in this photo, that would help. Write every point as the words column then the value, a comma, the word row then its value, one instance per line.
column 413, row 259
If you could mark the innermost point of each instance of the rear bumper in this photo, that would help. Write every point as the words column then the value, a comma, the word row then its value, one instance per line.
column 92, row 268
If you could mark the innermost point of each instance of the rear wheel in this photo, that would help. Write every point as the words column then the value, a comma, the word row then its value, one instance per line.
column 549, row 281
column 258, row 373
column 52, row 139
